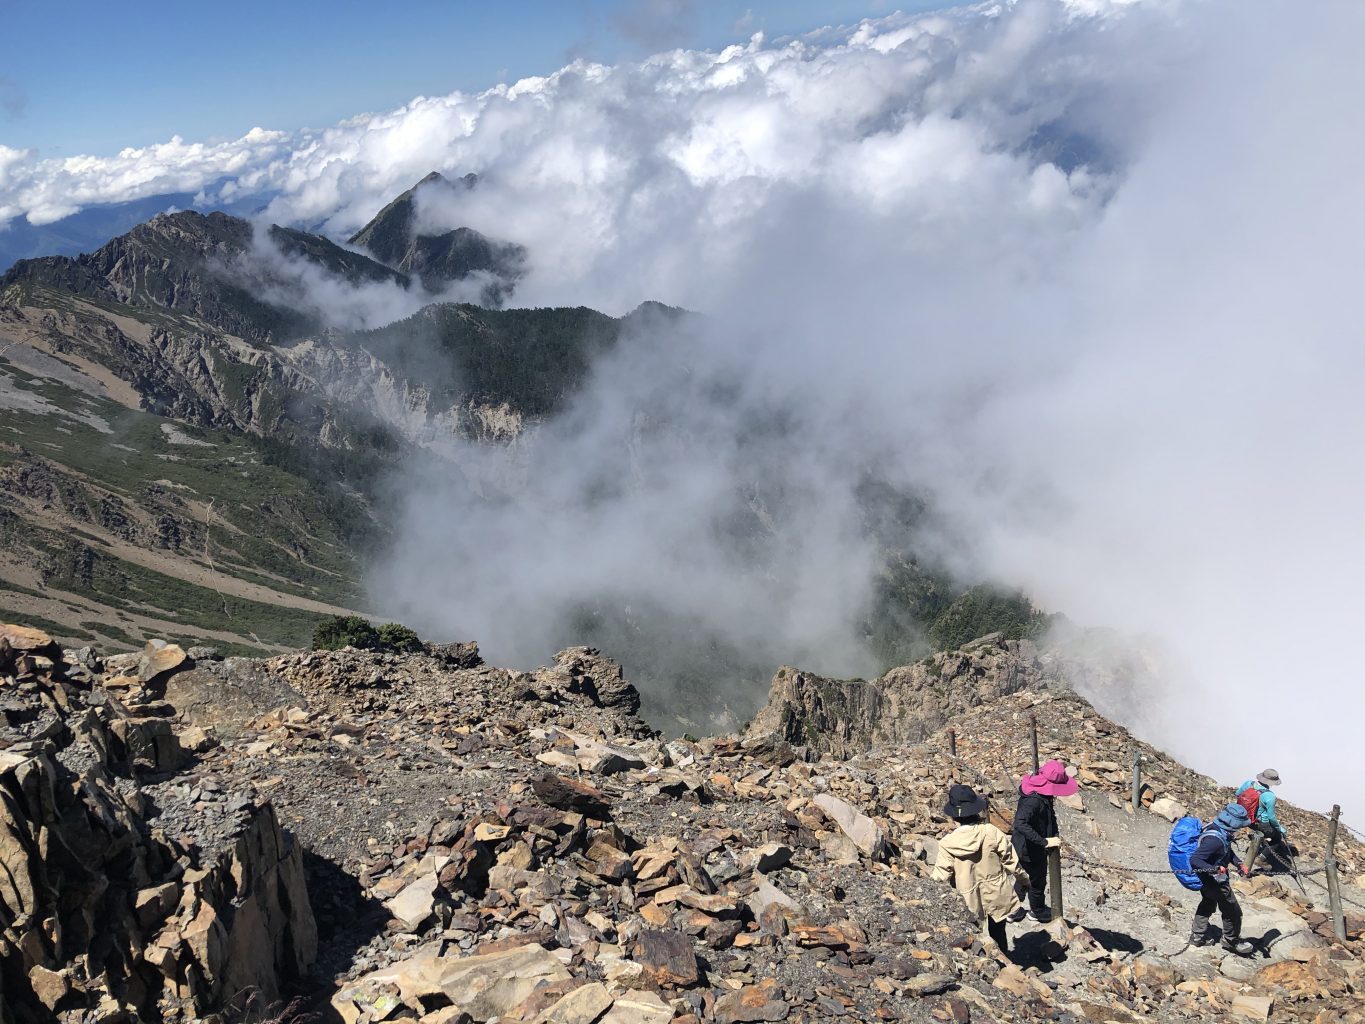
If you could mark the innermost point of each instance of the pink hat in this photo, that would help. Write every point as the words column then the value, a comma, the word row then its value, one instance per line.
column 1051, row 781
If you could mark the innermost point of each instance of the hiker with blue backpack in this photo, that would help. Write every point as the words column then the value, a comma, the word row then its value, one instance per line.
column 1201, row 857
column 1257, row 796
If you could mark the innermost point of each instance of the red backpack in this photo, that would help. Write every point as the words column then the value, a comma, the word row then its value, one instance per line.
column 1250, row 799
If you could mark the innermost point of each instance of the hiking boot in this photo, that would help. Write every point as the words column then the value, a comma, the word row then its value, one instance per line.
column 1199, row 932
column 1239, row 947
column 1018, row 915
column 1041, row 916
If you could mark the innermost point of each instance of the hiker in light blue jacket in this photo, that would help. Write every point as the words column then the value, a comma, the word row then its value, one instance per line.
column 1259, row 793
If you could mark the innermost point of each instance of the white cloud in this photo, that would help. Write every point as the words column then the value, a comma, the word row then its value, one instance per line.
column 1081, row 267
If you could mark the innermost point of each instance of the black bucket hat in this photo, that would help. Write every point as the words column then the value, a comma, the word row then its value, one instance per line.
column 964, row 803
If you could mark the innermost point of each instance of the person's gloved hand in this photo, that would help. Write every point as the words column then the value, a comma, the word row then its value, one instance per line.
column 1221, row 875
column 1246, row 871
column 1055, row 843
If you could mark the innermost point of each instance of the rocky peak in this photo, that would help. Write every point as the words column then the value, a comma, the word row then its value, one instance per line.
column 200, row 265
column 439, row 259
column 842, row 717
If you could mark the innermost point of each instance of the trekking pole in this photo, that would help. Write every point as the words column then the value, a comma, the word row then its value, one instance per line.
column 952, row 742
column 1054, row 880
column 1334, row 883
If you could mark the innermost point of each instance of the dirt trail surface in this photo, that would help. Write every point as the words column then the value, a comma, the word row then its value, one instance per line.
column 486, row 845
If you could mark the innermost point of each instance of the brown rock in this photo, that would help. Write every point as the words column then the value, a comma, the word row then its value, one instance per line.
column 929, row 984
column 158, row 658
column 654, row 915
column 761, row 1002
column 50, row 987
column 25, row 639
column 1157, row 974
column 1292, row 977
column 1252, row 1008
column 581, row 1006
column 667, row 958
column 1014, row 981
column 608, row 862
column 722, row 934
column 571, row 795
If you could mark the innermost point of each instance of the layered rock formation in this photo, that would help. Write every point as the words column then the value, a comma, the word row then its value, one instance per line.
column 125, row 891
column 843, row 717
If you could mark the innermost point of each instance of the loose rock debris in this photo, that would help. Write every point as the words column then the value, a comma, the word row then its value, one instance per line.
column 464, row 843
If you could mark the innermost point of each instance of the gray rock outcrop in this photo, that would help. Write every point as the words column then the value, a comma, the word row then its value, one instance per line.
column 844, row 717
column 125, row 894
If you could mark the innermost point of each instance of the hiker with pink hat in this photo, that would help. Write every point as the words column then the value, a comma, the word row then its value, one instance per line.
column 1035, row 829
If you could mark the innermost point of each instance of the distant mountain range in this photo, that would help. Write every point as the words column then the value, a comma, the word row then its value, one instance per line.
column 95, row 225
column 194, row 433
column 190, row 449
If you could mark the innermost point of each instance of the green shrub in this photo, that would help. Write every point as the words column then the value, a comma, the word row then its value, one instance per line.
column 983, row 610
column 345, row 631
column 396, row 637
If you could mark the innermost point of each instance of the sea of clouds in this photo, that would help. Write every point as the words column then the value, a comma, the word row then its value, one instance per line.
column 1083, row 270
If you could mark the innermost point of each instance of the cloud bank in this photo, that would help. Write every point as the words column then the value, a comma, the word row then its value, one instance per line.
column 1079, row 274
column 1079, row 269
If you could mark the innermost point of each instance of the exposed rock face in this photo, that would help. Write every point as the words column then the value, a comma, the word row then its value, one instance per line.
column 226, row 694
column 584, row 670
column 392, row 238
column 842, row 717
column 118, row 897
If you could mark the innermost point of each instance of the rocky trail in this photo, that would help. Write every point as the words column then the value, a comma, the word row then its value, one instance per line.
column 368, row 837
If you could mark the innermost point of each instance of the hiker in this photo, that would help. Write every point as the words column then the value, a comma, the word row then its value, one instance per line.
column 1210, row 862
column 1257, row 796
column 980, row 862
column 1035, row 830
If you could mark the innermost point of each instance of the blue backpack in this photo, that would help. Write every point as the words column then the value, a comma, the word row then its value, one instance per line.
column 1184, row 840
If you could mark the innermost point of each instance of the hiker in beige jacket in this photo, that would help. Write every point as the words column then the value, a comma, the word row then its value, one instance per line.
column 980, row 861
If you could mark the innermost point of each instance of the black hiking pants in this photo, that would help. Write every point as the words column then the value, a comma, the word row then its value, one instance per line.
column 996, row 930
column 1035, row 863
column 1274, row 848
column 1215, row 894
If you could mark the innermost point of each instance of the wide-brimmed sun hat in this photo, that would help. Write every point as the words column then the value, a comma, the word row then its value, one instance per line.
column 964, row 803
column 1232, row 817
column 1051, row 780
column 1269, row 777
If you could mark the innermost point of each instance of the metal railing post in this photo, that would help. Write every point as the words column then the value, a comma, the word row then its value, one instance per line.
column 1334, row 883
column 1137, row 780
column 1054, row 881
column 1033, row 733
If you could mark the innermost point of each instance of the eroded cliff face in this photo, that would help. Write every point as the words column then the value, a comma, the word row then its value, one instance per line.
column 127, row 889
column 844, row 717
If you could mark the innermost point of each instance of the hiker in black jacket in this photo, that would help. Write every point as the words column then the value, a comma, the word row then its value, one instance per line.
column 1210, row 861
column 1035, row 830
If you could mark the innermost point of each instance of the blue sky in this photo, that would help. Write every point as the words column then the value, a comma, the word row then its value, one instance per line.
column 94, row 77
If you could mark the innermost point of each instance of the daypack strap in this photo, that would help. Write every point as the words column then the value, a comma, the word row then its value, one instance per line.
column 1214, row 830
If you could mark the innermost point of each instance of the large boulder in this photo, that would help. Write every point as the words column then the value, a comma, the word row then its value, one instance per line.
column 228, row 694
column 587, row 671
